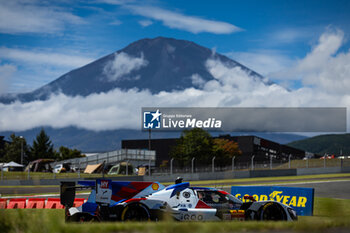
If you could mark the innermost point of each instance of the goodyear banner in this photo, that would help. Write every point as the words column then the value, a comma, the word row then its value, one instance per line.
column 301, row 199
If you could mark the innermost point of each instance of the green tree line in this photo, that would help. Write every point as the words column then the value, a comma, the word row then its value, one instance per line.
column 198, row 143
column 42, row 148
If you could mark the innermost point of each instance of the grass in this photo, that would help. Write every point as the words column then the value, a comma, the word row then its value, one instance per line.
column 331, row 215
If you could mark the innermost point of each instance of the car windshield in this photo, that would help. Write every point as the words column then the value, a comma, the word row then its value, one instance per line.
column 234, row 199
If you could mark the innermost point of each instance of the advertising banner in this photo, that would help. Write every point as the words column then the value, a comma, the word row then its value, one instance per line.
column 300, row 199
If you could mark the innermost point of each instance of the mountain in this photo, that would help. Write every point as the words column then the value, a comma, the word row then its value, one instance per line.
column 159, row 64
column 168, row 65
column 330, row 144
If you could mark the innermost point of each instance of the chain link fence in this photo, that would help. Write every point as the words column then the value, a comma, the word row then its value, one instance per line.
column 254, row 165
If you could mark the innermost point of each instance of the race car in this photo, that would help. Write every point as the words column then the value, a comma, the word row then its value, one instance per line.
column 142, row 201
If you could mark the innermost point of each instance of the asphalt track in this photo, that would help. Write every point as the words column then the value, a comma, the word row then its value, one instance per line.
column 337, row 187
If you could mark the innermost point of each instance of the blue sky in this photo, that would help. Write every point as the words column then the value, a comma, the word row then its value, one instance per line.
column 41, row 40
column 302, row 46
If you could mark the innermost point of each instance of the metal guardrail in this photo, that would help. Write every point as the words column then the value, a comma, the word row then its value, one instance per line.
column 253, row 165
column 133, row 156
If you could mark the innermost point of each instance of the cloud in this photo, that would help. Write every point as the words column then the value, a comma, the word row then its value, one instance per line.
column 324, row 68
column 197, row 80
column 145, row 23
column 123, row 64
column 17, row 17
column 231, row 87
column 291, row 35
column 120, row 109
column 37, row 67
column 6, row 73
column 184, row 22
column 40, row 57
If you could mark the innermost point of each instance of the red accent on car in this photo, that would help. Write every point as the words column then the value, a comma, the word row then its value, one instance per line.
column 223, row 192
column 202, row 205
column 134, row 199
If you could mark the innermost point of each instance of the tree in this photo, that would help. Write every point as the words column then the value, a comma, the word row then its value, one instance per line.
column 42, row 147
column 224, row 150
column 66, row 153
column 193, row 143
column 13, row 150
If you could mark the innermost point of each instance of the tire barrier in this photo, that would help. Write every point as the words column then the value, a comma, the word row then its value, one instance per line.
column 36, row 203
column 54, row 203
column 3, row 203
column 17, row 203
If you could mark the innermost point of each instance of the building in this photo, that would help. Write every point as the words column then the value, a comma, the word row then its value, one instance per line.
column 161, row 146
column 261, row 148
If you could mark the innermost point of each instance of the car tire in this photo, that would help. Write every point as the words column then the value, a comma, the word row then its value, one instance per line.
column 272, row 211
column 135, row 212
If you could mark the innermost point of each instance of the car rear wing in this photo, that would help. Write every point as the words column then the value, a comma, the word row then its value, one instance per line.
column 67, row 192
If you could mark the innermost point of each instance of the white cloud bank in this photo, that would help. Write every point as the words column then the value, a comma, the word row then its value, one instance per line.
column 123, row 64
column 17, row 17
column 324, row 68
column 232, row 87
column 184, row 22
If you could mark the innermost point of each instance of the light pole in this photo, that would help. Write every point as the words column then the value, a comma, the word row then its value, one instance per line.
column 21, row 137
column 171, row 166
column 233, row 163
column 270, row 162
column 212, row 165
column 252, row 166
column 289, row 165
column 192, row 164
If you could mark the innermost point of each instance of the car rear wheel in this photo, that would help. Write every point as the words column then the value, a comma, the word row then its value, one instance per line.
column 136, row 212
column 272, row 212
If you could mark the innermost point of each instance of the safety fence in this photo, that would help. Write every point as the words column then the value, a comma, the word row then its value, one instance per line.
column 133, row 156
column 36, row 203
column 252, row 164
column 172, row 167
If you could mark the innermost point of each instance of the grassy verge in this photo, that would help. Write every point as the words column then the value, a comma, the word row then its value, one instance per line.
column 265, row 180
column 331, row 215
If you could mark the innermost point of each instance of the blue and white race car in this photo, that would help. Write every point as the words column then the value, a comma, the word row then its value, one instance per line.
column 142, row 201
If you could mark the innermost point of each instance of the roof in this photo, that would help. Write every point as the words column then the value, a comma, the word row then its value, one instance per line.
column 12, row 164
column 93, row 168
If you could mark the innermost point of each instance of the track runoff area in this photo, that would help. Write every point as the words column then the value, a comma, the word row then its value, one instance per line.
column 325, row 185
